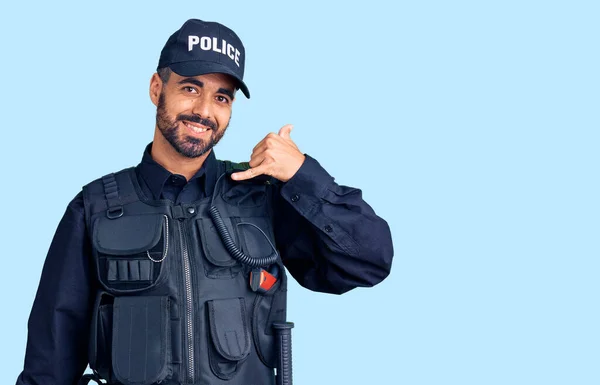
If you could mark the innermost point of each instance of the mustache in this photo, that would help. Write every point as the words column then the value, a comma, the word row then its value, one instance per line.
column 197, row 119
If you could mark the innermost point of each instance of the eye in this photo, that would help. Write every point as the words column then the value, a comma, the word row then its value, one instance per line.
column 190, row 90
column 222, row 99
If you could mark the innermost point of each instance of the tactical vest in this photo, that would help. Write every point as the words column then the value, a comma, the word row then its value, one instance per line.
column 173, row 306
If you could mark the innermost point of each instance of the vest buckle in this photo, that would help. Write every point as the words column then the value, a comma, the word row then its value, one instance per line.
column 114, row 212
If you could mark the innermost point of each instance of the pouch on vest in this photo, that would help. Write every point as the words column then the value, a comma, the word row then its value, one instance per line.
column 100, row 346
column 268, row 308
column 229, row 336
column 253, row 242
column 141, row 348
column 242, row 209
column 132, row 251
column 218, row 263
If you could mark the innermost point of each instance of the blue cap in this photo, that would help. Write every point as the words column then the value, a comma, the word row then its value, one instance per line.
column 203, row 47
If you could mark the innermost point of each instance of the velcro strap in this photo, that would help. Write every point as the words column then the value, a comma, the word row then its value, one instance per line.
column 229, row 328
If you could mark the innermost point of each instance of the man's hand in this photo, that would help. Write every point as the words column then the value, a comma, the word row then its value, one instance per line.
column 276, row 155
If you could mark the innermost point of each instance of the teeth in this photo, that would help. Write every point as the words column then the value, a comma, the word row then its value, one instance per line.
column 196, row 129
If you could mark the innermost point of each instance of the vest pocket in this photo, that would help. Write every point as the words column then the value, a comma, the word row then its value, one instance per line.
column 100, row 346
column 255, row 236
column 218, row 262
column 268, row 308
column 141, row 346
column 229, row 336
column 131, row 251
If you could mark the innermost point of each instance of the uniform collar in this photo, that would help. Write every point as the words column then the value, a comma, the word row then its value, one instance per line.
column 156, row 175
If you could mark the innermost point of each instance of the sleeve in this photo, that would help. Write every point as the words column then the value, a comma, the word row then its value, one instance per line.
column 330, row 239
column 58, row 326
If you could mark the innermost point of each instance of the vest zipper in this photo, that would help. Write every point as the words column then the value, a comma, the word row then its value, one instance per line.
column 189, row 304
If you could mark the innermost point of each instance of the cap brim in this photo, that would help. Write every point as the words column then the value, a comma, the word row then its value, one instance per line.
column 195, row 68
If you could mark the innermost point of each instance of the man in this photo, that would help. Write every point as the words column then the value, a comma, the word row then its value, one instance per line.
column 173, row 272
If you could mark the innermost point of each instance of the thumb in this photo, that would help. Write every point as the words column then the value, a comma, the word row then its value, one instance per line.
column 284, row 132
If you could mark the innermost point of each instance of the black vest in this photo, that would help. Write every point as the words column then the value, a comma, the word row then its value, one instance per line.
column 173, row 306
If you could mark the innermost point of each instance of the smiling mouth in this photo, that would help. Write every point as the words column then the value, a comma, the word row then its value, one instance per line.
column 195, row 127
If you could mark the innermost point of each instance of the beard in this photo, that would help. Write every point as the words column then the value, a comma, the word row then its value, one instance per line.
column 186, row 145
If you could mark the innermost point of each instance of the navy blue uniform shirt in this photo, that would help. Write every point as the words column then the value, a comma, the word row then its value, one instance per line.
column 329, row 238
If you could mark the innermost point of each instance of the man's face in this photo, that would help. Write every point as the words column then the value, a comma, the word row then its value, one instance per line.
column 193, row 113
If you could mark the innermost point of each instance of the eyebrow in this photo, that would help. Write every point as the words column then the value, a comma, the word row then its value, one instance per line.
column 225, row 91
column 198, row 83
column 195, row 82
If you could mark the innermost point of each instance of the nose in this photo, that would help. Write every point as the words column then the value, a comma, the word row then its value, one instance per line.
column 202, row 106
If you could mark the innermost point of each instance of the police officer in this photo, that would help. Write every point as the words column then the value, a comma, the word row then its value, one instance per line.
column 172, row 272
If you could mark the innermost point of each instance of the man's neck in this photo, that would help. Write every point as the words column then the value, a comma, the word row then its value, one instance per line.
column 164, row 154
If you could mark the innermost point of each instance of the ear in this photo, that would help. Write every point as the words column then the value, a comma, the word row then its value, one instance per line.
column 155, row 88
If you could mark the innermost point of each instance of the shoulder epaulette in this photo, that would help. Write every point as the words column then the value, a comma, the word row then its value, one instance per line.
column 231, row 166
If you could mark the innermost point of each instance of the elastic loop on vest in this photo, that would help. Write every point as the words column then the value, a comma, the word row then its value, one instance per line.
column 111, row 193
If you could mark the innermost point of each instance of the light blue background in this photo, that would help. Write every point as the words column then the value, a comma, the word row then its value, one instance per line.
column 470, row 126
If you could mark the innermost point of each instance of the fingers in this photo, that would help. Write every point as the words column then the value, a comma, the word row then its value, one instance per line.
column 259, row 165
column 257, row 159
column 272, row 141
column 276, row 155
column 250, row 173
column 269, row 138
column 285, row 131
column 261, row 146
